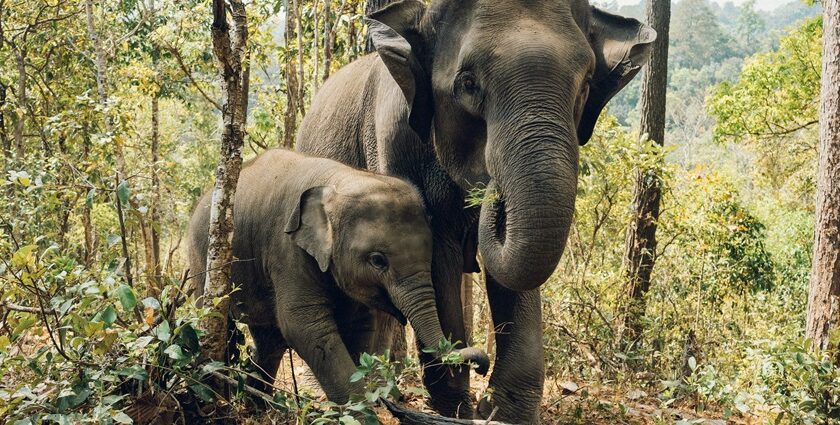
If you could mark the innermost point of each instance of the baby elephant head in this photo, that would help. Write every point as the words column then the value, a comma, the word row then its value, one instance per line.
column 373, row 236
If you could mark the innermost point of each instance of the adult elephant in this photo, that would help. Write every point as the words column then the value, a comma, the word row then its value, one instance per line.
column 483, row 93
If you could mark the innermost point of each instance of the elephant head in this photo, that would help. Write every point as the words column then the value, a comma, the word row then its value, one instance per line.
column 372, row 235
column 507, row 91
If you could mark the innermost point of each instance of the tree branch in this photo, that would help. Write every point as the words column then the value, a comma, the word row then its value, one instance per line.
column 180, row 59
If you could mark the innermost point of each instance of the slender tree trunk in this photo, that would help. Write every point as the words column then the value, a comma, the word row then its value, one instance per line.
column 4, row 136
column 467, row 299
column 20, row 94
column 328, row 38
column 68, row 201
column 370, row 7
column 292, row 90
column 824, row 296
column 301, row 70
column 87, row 224
column 229, row 48
column 316, row 49
column 353, row 37
column 640, row 246
column 102, row 91
column 102, row 83
column 151, row 236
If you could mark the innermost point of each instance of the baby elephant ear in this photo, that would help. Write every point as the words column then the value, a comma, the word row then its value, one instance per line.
column 622, row 46
column 310, row 227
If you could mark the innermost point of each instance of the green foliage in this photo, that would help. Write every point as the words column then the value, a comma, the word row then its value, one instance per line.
column 777, row 92
column 479, row 194
column 86, row 334
column 696, row 37
column 805, row 387
column 91, row 355
column 84, row 337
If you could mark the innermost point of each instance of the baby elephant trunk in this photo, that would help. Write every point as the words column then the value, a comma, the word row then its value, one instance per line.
column 415, row 298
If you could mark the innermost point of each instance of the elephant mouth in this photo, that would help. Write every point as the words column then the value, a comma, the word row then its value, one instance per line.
column 494, row 206
column 499, row 214
column 387, row 305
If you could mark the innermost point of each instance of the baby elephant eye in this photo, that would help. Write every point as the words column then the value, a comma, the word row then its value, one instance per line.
column 378, row 260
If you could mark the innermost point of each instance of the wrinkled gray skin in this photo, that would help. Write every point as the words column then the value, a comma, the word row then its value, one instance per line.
column 471, row 92
column 321, row 250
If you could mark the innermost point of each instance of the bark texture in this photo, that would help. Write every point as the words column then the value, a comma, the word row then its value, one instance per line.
column 4, row 138
column 151, row 237
column 467, row 281
column 640, row 246
column 292, row 88
column 824, row 296
column 20, row 61
column 229, row 49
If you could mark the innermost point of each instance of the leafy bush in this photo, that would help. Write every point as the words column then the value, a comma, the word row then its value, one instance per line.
column 802, row 386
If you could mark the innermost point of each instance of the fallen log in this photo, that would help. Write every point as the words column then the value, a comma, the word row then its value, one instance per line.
column 414, row 417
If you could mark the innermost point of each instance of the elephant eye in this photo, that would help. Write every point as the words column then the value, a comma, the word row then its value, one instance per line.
column 378, row 260
column 468, row 82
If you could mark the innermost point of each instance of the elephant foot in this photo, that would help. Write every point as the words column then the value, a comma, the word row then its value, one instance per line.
column 449, row 395
column 517, row 407
column 455, row 405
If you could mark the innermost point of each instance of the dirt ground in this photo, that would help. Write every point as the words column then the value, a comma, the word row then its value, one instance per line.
column 564, row 402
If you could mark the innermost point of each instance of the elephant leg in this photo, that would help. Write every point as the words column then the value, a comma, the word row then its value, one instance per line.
column 516, row 385
column 449, row 388
column 312, row 331
column 270, row 346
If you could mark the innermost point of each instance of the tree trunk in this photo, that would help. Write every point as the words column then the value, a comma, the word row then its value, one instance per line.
column 316, row 48
column 467, row 299
column 87, row 224
column 5, row 142
column 370, row 7
column 640, row 245
column 20, row 94
column 328, row 39
column 151, row 236
column 292, row 90
column 102, row 91
column 301, row 71
column 824, row 296
column 231, row 59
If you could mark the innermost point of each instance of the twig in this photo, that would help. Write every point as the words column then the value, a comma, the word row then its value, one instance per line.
column 15, row 307
column 188, row 73
column 247, row 388
column 124, row 237
column 493, row 413
column 294, row 379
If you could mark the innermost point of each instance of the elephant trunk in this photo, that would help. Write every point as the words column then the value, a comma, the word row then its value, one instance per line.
column 415, row 298
column 532, row 159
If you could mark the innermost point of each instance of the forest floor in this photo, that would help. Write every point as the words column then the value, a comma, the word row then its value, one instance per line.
column 564, row 402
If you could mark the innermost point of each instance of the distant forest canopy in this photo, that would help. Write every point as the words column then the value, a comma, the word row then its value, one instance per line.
column 708, row 45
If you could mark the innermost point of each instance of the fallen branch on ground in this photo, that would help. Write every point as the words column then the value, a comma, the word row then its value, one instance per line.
column 413, row 417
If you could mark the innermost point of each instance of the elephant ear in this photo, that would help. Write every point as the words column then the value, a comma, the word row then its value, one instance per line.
column 310, row 227
column 622, row 46
column 395, row 34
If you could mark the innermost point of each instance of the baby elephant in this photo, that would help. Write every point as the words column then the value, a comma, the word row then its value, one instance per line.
column 321, row 249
